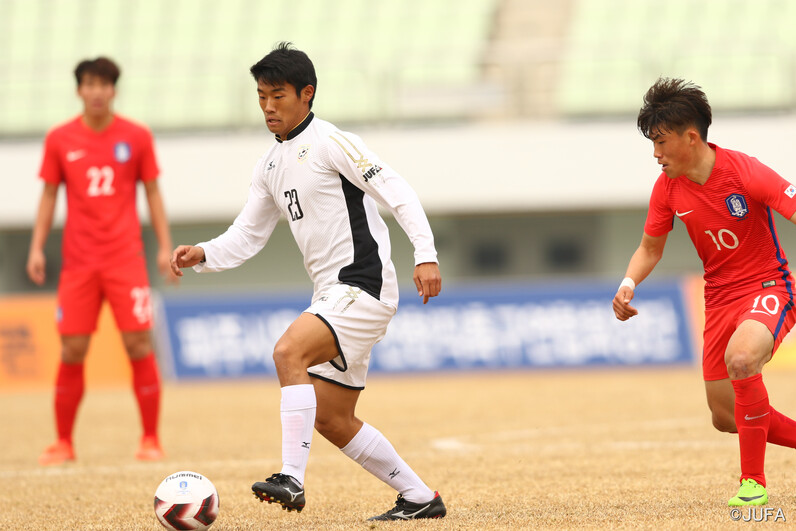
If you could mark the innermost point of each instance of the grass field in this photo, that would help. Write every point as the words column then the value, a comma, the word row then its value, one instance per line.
column 549, row 449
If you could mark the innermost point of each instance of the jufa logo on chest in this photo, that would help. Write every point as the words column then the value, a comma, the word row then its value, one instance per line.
column 736, row 204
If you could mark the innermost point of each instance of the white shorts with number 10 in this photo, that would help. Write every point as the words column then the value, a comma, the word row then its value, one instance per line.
column 358, row 321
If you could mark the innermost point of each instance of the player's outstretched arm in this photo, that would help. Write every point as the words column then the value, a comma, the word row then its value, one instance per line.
column 427, row 280
column 642, row 263
column 186, row 256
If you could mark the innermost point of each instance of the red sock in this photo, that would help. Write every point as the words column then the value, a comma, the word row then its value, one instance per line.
column 753, row 418
column 782, row 430
column 146, row 384
column 69, row 385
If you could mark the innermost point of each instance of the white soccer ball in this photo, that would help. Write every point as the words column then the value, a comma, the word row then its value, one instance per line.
column 186, row 501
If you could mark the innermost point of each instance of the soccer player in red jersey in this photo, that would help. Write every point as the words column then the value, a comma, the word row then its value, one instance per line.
column 726, row 200
column 100, row 157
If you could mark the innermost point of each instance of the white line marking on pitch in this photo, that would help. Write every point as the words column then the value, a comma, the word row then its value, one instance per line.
column 474, row 442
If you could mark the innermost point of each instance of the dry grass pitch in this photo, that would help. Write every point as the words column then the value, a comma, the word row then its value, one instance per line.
column 510, row 450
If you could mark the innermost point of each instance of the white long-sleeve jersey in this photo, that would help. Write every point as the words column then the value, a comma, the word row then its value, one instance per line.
column 326, row 183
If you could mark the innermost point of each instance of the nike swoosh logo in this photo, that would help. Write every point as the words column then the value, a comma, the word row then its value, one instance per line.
column 72, row 156
column 681, row 214
column 749, row 498
column 747, row 417
column 407, row 516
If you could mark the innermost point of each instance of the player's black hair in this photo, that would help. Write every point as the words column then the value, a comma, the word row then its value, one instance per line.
column 101, row 67
column 286, row 64
column 674, row 105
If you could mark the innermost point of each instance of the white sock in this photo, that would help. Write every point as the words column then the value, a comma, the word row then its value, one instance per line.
column 374, row 452
column 298, row 422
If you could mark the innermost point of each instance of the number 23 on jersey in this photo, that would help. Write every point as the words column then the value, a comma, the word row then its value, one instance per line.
column 293, row 206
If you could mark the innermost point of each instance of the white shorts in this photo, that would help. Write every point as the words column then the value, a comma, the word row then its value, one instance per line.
column 358, row 321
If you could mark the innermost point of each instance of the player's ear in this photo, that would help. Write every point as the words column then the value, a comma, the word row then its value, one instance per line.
column 307, row 93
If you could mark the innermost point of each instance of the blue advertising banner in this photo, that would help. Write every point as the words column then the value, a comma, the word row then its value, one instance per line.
column 490, row 326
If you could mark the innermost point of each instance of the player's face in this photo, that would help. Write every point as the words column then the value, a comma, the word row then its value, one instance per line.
column 97, row 94
column 282, row 107
column 674, row 152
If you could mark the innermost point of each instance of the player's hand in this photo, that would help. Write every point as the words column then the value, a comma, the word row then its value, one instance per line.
column 186, row 256
column 622, row 308
column 164, row 266
column 36, row 266
column 427, row 280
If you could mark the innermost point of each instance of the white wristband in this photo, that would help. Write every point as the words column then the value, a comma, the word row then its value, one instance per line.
column 627, row 281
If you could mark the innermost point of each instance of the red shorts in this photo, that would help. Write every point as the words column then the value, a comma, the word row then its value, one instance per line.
column 126, row 288
column 771, row 306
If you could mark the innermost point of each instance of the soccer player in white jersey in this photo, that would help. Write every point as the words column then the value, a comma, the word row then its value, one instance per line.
column 327, row 184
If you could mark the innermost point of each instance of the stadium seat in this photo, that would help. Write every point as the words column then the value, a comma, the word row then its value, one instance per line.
column 740, row 51
column 185, row 64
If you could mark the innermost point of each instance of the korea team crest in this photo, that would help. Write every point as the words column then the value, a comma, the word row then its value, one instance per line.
column 736, row 203
column 122, row 152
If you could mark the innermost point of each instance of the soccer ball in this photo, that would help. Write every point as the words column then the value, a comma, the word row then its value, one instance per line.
column 186, row 501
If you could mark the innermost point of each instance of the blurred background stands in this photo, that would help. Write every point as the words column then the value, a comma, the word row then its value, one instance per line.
column 517, row 70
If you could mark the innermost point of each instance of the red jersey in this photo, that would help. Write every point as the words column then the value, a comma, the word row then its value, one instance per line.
column 100, row 171
column 731, row 223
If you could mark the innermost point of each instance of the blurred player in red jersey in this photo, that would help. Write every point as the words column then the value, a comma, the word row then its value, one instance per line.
column 727, row 201
column 100, row 156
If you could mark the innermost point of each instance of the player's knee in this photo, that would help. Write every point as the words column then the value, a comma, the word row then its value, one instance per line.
column 288, row 359
column 741, row 364
column 282, row 354
column 137, row 344
column 74, row 349
column 72, row 355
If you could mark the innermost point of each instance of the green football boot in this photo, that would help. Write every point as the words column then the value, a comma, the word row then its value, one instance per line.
column 750, row 493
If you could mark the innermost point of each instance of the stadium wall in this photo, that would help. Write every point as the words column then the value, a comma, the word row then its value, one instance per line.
column 456, row 169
